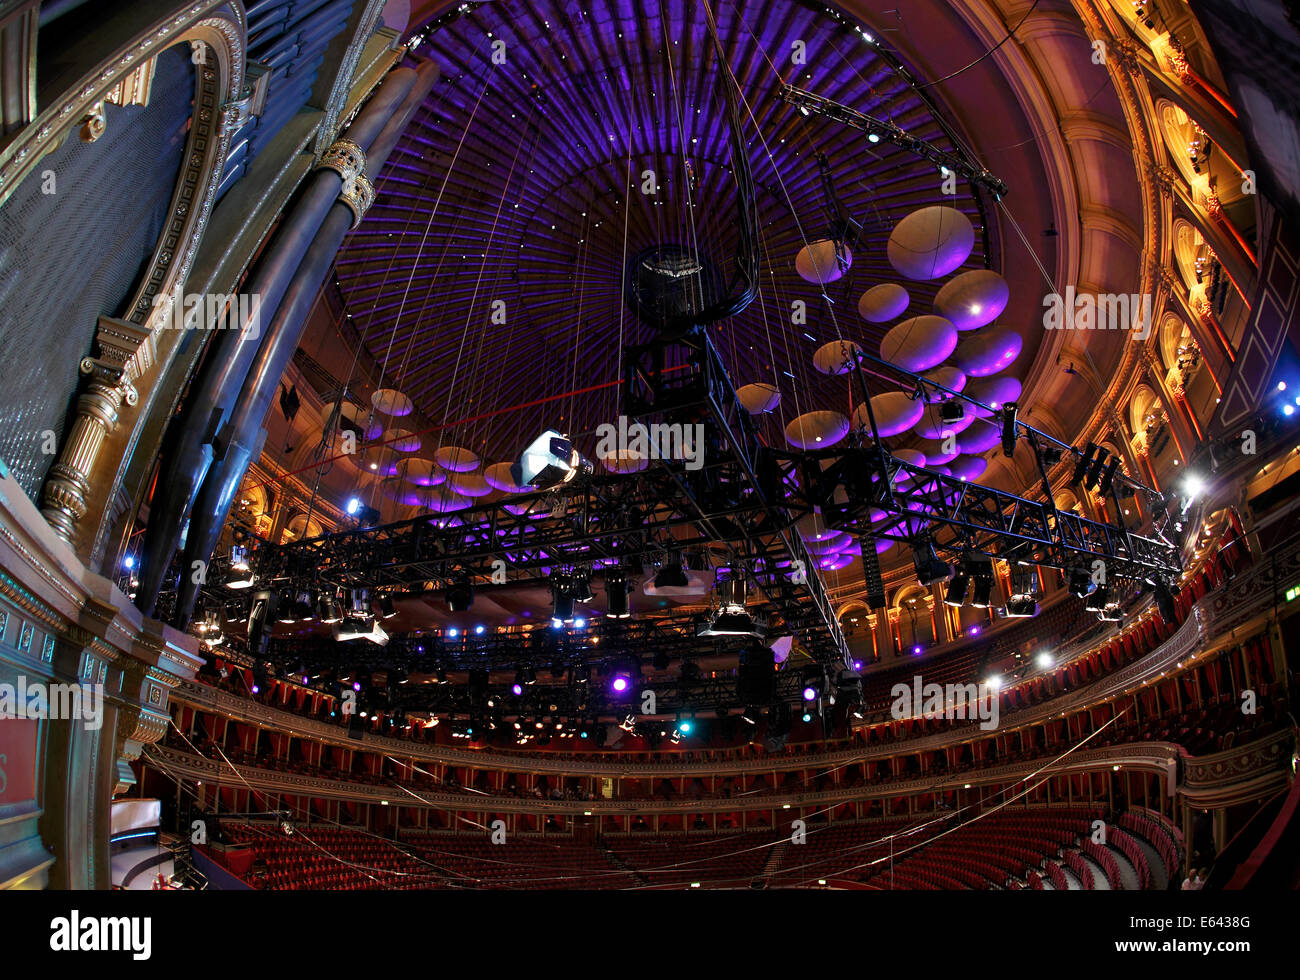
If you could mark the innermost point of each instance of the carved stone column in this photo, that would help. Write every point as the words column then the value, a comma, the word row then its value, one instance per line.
column 125, row 350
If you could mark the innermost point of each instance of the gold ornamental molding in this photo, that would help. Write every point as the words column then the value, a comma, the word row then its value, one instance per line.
column 348, row 160
column 127, row 345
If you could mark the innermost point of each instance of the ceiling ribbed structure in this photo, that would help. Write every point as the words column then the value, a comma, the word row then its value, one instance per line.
column 489, row 272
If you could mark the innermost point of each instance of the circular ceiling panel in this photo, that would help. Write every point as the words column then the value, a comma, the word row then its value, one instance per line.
column 816, row 429
column 895, row 413
column 973, row 299
column 919, row 343
column 837, row 357
column 931, row 242
column 759, row 397
column 882, row 303
column 988, row 352
column 822, row 262
column 390, row 401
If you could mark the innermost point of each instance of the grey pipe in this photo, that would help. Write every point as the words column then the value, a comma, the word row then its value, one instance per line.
column 283, row 333
column 198, row 433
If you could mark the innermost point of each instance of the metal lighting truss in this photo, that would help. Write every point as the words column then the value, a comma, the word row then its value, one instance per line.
column 886, row 130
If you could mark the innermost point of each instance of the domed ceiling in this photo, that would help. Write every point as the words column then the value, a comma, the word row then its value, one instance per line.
column 566, row 139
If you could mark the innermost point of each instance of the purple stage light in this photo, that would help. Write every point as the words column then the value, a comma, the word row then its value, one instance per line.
column 916, row 650
column 974, row 631
column 810, row 694
column 620, row 684
column 356, row 685
column 518, row 689
column 857, row 665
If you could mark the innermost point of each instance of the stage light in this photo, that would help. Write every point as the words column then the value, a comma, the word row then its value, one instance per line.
column 362, row 628
column 386, row 608
column 916, row 650
column 581, row 587
column 1111, row 613
column 353, row 506
column 459, row 593
column 453, row 632
column 686, row 727
column 128, row 562
column 479, row 630
column 810, row 693
column 617, row 590
column 929, row 568
column 1021, row 607
column 672, row 574
column 1094, row 471
column 330, row 610
column 807, row 716
column 995, row 682
column 1009, row 411
column 579, row 623
column 517, row 689
column 620, row 684
column 1083, row 462
column 562, row 607
column 1165, row 601
column 1081, row 583
column 1108, row 476
column 1193, row 486
column 1044, row 660
column 1097, row 600
column 952, row 411
column 549, row 461
column 956, row 592
column 982, row 593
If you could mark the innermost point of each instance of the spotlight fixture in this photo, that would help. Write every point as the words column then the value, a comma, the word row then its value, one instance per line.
column 241, row 573
column 562, row 607
column 1009, row 411
column 617, row 594
column 1081, row 583
column 1094, row 471
column 359, row 602
column 329, row 609
column 1111, row 613
column 1108, row 476
column 361, row 628
column 549, row 461
column 581, row 587
column 956, row 593
column 1165, row 601
column 1097, row 600
column 1021, row 607
column 672, row 574
column 459, row 593
column 1083, row 462
column 386, row 608
column 951, row 411
column 929, row 568
column 982, row 594
column 813, row 682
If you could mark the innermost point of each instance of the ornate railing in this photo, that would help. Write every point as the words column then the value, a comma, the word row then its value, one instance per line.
column 1146, row 756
